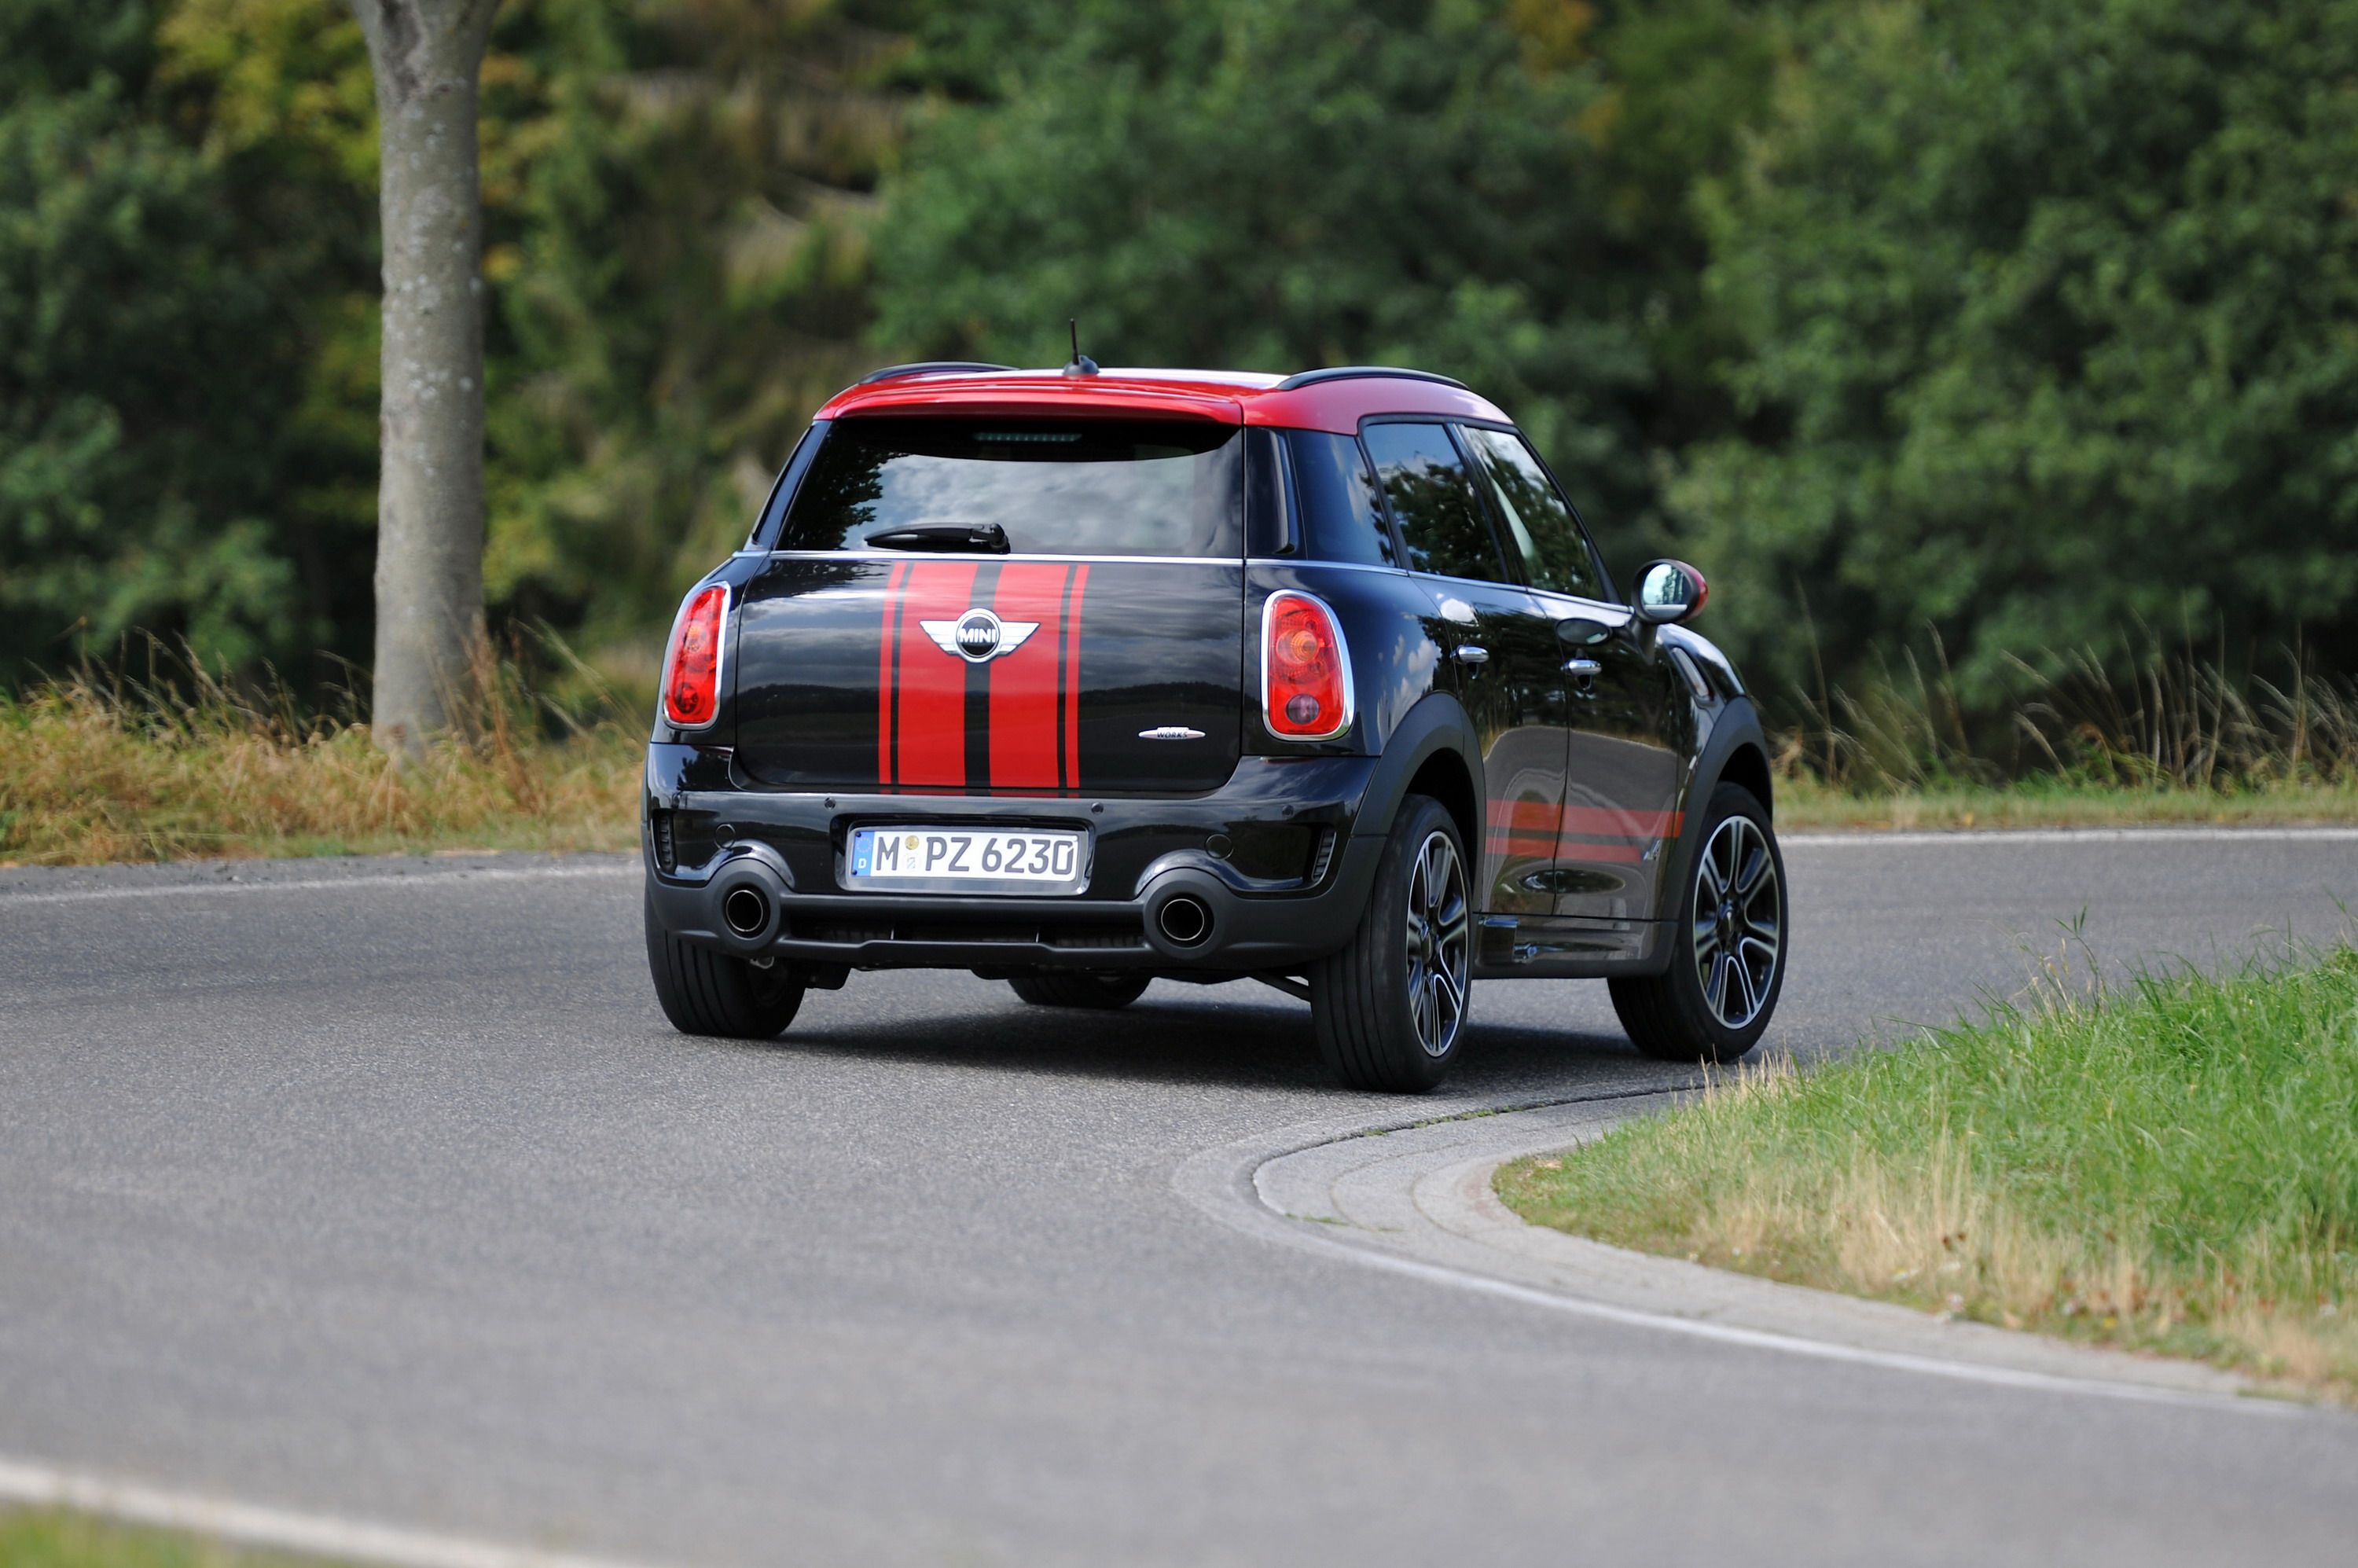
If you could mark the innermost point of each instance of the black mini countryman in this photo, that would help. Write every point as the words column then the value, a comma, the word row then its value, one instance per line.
column 1077, row 679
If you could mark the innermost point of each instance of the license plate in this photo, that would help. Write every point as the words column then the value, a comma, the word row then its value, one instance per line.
column 966, row 860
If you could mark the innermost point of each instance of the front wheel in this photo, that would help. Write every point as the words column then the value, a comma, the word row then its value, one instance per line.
column 1727, row 960
column 1389, row 1008
column 704, row 992
column 1079, row 991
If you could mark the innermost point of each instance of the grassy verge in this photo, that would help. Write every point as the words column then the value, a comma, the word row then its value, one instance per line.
column 2172, row 1167
column 96, row 769
column 44, row 1538
column 93, row 772
column 1803, row 802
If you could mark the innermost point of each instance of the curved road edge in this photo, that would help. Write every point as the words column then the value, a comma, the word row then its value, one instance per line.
column 1415, row 1198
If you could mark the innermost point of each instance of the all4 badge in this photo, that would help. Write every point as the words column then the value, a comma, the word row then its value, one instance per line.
column 978, row 636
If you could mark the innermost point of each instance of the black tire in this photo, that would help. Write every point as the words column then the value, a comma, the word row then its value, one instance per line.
column 1695, row 1010
column 1102, row 992
column 704, row 992
column 1378, row 1005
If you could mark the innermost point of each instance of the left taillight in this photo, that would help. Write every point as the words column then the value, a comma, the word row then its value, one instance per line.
column 691, row 686
column 1305, row 669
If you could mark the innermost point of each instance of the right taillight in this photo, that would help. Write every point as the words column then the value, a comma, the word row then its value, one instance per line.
column 691, row 682
column 1305, row 670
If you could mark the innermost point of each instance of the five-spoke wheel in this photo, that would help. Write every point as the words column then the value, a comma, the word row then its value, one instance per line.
column 1728, row 960
column 1439, row 941
column 1390, row 1008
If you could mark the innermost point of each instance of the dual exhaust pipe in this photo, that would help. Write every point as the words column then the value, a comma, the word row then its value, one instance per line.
column 748, row 896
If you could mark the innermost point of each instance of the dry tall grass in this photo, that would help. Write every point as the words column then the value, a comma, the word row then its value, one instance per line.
column 182, row 765
column 2182, row 722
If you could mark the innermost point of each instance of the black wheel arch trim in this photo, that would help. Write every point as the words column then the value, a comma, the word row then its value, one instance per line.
column 1437, row 723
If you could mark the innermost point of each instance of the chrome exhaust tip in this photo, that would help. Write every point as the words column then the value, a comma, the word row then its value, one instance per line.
column 746, row 911
column 1185, row 920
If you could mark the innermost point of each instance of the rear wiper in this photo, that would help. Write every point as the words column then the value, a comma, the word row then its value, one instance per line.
column 988, row 538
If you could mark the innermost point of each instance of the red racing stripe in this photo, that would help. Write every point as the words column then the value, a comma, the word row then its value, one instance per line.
column 1524, row 816
column 890, row 645
column 1605, row 822
column 1072, row 630
column 1023, row 696
column 931, row 744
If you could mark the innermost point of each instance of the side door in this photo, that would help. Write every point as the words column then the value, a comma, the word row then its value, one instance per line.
column 1628, row 724
column 1500, row 643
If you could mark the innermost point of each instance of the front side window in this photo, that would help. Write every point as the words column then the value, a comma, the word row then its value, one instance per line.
column 1110, row 487
column 1431, row 496
column 1341, row 518
column 1539, row 520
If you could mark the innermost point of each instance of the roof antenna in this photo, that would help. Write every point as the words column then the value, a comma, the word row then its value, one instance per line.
column 1082, row 364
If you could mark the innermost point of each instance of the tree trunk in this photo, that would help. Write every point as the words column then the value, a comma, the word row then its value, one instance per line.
column 427, row 56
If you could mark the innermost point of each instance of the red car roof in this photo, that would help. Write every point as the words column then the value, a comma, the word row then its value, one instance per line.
column 1336, row 402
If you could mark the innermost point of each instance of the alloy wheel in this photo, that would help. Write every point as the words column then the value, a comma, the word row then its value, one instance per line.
column 1739, row 921
column 1440, row 945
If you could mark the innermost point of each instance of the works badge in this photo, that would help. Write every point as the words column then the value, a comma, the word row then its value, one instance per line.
column 978, row 636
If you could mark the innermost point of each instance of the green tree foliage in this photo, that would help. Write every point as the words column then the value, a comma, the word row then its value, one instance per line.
column 2050, row 311
column 2021, row 323
column 681, row 199
column 1279, row 185
column 147, row 395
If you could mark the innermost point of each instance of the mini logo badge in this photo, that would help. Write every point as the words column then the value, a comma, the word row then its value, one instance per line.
column 978, row 636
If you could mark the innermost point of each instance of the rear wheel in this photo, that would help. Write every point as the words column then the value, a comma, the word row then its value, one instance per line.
column 1079, row 991
column 704, row 992
column 1389, row 1008
column 1727, row 964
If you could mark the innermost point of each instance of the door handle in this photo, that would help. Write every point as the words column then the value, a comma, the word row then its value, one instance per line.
column 1583, row 668
column 1468, row 654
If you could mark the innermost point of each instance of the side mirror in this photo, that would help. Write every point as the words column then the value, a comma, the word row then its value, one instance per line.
column 1670, row 592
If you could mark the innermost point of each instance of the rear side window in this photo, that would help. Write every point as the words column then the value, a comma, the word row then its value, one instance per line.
column 1095, row 487
column 1341, row 519
column 1433, row 498
column 1539, row 520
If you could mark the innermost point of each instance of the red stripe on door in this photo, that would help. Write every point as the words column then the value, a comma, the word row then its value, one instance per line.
column 884, row 659
column 1072, row 629
column 1525, row 815
column 1024, row 684
column 931, row 744
column 1607, row 822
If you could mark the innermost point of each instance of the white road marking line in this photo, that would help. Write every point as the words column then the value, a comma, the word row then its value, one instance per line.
column 316, row 884
column 1791, row 1345
column 286, row 1529
column 1963, row 836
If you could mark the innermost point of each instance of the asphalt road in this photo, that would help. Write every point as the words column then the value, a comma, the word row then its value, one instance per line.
column 395, row 1197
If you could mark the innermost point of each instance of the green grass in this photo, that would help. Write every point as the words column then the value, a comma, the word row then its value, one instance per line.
column 45, row 1538
column 2169, row 1167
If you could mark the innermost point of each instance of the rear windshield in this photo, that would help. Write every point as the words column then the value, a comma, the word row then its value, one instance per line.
column 1082, row 487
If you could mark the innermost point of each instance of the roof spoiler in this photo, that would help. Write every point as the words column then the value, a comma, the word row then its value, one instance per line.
column 931, row 367
column 1360, row 373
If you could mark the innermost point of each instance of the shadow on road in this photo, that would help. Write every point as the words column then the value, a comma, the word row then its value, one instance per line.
column 1235, row 1043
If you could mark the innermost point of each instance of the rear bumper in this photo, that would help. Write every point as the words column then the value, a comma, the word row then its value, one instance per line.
column 1272, row 857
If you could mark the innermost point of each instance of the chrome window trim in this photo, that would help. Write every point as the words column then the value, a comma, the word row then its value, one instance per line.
column 986, row 556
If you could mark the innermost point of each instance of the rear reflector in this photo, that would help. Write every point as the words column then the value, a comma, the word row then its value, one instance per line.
column 1305, row 670
column 691, row 685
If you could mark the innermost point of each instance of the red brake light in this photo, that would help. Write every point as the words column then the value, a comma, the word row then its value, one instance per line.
column 691, row 686
column 1304, row 668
